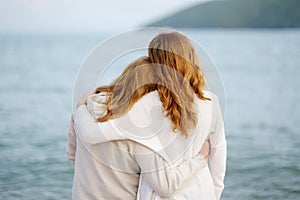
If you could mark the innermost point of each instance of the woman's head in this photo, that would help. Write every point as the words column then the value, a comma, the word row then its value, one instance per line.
column 128, row 88
column 171, row 68
column 179, row 77
column 170, row 48
column 175, row 50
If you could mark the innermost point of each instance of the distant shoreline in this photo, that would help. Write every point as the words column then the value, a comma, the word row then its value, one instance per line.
column 108, row 33
column 231, row 14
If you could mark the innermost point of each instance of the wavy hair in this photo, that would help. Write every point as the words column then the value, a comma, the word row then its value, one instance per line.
column 172, row 69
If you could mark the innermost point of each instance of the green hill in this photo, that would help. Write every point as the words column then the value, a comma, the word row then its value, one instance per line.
column 237, row 13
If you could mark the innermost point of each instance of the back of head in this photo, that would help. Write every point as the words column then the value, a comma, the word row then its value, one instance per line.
column 178, row 76
column 171, row 68
column 135, row 81
column 167, row 48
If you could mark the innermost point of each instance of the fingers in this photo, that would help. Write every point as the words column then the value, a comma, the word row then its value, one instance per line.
column 208, row 143
column 205, row 149
column 83, row 98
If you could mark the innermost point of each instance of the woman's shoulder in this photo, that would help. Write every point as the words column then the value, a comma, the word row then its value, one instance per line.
column 207, row 106
column 147, row 102
column 150, row 97
column 211, row 95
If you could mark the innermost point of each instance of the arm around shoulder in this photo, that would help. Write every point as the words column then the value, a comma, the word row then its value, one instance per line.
column 164, row 178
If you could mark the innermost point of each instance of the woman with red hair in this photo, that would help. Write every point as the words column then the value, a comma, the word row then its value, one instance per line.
column 165, row 89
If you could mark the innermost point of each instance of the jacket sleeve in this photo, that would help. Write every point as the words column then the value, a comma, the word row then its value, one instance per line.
column 71, row 144
column 90, row 130
column 164, row 178
column 218, row 153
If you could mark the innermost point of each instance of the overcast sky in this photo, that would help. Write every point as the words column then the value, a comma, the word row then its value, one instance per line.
column 83, row 15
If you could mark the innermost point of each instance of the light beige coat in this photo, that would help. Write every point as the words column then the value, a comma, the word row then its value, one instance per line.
column 179, row 176
column 97, row 177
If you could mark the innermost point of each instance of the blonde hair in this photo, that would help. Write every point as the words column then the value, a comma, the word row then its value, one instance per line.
column 171, row 68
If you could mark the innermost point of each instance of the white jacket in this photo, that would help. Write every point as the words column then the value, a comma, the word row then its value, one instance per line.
column 146, row 124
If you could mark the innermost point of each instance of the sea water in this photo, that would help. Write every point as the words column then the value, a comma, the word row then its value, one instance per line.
column 261, row 76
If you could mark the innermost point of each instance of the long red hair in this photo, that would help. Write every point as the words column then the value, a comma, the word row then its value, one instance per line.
column 171, row 68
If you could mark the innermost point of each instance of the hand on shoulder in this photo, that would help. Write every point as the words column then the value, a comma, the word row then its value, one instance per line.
column 205, row 149
column 83, row 99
